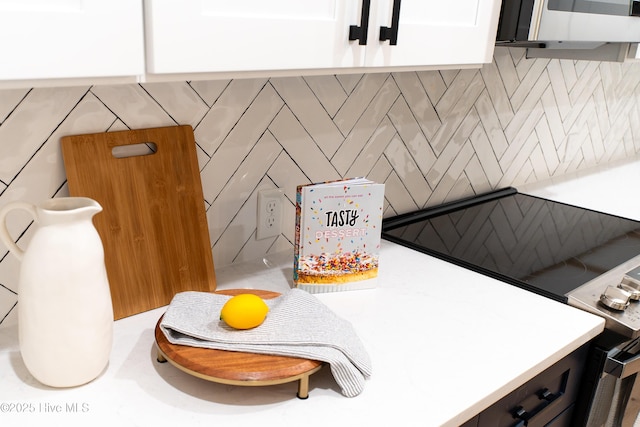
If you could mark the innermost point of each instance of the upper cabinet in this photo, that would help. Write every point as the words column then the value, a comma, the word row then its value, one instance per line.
column 53, row 42
column 430, row 32
column 62, row 39
column 202, row 36
column 186, row 36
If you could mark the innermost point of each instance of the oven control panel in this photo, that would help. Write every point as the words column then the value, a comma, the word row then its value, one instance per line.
column 620, row 296
column 615, row 296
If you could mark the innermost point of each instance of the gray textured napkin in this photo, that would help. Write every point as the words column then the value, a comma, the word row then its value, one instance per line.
column 298, row 324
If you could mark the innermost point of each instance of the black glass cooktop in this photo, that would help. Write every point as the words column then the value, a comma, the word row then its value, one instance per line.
column 544, row 246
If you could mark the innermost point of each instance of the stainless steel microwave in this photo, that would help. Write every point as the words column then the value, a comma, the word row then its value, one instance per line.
column 568, row 23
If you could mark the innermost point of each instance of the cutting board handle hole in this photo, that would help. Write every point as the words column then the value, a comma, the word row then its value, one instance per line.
column 134, row 150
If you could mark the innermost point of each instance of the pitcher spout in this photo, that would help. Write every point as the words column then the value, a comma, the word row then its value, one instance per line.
column 65, row 204
column 67, row 209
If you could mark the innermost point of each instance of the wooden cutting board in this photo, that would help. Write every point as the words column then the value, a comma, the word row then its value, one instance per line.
column 153, row 224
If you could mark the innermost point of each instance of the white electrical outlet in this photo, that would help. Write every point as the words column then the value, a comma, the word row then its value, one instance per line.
column 269, row 218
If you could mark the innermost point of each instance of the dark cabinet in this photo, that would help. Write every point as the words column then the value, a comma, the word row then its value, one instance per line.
column 546, row 400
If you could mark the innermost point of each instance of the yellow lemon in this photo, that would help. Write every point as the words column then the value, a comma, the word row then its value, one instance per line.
column 244, row 311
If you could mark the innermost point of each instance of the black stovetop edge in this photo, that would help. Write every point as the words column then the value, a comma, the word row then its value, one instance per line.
column 407, row 218
column 445, row 208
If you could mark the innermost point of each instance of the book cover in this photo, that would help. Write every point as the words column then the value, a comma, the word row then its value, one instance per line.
column 337, row 238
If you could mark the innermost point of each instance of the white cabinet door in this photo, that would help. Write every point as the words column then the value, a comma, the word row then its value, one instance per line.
column 201, row 36
column 434, row 32
column 49, row 39
column 186, row 36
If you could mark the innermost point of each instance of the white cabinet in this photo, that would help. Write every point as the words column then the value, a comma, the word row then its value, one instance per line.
column 185, row 36
column 55, row 39
column 90, row 41
column 434, row 32
column 200, row 36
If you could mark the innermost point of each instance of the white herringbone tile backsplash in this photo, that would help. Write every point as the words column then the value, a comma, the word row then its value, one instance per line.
column 429, row 136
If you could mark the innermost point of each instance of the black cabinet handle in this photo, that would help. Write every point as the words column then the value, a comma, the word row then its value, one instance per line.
column 360, row 32
column 545, row 394
column 391, row 33
column 546, row 398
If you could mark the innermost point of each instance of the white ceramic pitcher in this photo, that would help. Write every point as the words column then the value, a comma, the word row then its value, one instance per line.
column 65, row 313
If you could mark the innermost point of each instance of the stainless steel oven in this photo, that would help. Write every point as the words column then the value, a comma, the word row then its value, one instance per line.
column 563, row 24
column 611, row 398
column 577, row 256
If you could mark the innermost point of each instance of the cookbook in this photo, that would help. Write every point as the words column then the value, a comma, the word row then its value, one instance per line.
column 337, row 238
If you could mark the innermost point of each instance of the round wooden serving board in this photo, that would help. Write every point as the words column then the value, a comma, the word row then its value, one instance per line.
column 237, row 368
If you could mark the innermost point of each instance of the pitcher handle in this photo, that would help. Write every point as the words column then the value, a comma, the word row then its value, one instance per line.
column 5, row 237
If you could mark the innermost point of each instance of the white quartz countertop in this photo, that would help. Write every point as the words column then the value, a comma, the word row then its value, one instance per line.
column 614, row 188
column 445, row 344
